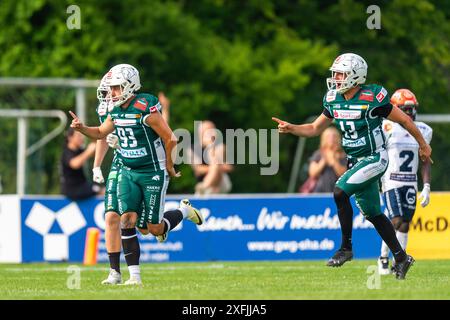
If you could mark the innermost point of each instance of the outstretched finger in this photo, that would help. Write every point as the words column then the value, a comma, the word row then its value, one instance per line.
column 278, row 120
column 73, row 115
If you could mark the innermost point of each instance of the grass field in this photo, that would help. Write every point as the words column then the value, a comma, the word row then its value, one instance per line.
column 289, row 280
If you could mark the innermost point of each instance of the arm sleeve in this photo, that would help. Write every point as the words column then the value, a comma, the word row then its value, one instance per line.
column 327, row 113
column 382, row 111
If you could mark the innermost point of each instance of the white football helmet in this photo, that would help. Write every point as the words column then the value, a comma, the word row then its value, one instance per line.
column 102, row 95
column 127, row 77
column 354, row 69
column 102, row 90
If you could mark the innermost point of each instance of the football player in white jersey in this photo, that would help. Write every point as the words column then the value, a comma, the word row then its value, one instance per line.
column 399, row 183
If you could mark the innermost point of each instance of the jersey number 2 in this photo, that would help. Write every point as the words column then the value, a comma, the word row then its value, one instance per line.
column 125, row 135
column 409, row 155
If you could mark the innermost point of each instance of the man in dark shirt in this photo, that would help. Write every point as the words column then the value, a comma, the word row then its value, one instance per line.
column 74, row 184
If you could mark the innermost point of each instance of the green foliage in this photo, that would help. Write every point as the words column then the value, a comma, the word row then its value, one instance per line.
column 236, row 63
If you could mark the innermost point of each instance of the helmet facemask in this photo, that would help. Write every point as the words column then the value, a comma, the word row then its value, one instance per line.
column 340, row 86
column 102, row 93
column 410, row 110
column 125, row 93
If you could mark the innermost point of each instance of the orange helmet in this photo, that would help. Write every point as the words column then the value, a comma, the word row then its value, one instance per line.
column 406, row 101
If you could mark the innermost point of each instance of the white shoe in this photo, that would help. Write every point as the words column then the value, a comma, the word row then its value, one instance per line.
column 383, row 266
column 194, row 215
column 133, row 281
column 114, row 277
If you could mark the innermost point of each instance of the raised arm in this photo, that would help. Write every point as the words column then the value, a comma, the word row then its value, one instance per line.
column 92, row 132
column 304, row 130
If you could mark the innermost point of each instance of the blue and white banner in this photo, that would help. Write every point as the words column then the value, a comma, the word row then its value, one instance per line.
column 237, row 227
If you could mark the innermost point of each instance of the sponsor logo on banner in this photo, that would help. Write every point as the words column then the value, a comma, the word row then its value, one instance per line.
column 429, row 233
column 347, row 114
column 42, row 220
column 133, row 153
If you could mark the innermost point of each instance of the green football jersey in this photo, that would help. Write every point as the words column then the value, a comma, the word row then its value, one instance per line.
column 359, row 119
column 140, row 145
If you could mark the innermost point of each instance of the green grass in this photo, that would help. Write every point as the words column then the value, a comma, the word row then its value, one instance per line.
column 229, row 280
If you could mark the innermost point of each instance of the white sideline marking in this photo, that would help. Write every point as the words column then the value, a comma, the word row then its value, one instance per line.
column 103, row 268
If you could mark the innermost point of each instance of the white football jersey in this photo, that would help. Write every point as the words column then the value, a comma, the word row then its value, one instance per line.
column 403, row 152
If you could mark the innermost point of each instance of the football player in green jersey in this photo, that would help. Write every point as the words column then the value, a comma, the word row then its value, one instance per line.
column 146, row 145
column 358, row 111
column 112, row 216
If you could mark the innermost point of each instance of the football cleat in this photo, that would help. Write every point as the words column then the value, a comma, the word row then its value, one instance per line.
column 401, row 268
column 163, row 237
column 383, row 266
column 114, row 277
column 194, row 215
column 133, row 281
column 340, row 257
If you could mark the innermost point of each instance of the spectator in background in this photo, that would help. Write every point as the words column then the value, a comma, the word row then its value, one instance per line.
column 74, row 184
column 212, row 173
column 327, row 163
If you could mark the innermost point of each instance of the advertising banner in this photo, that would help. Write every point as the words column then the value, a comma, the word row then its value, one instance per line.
column 264, row 227
column 237, row 227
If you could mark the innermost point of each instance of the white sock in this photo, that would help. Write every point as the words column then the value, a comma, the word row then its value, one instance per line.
column 184, row 211
column 384, row 249
column 135, row 271
column 402, row 238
